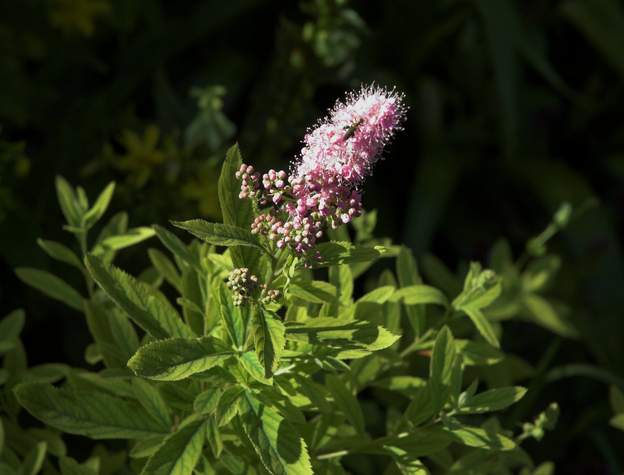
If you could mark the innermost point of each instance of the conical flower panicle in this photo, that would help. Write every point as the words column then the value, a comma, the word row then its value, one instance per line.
column 322, row 190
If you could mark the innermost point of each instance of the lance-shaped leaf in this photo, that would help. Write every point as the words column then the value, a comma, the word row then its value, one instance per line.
column 483, row 325
column 219, row 234
column 281, row 450
column 441, row 367
column 99, row 207
column 60, row 252
column 269, row 340
column 180, row 452
column 335, row 253
column 178, row 358
column 495, row 399
column 90, row 413
column 354, row 338
column 420, row 295
column 121, row 241
column 147, row 307
column 50, row 285
column 176, row 246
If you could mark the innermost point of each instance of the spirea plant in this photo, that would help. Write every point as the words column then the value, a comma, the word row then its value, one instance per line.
column 267, row 344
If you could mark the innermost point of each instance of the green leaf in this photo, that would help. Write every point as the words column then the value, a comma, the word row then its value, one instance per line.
column 477, row 353
column 250, row 362
column 480, row 438
column 235, row 211
column 2, row 436
column 71, row 467
column 616, row 398
column 441, row 367
column 175, row 246
column 151, row 400
column 50, row 285
column 346, row 401
column 90, row 413
column 314, row 291
column 483, row 325
column 180, row 452
column 12, row 325
column 420, row 442
column 165, row 268
column 617, row 421
column 281, row 450
column 68, row 202
column 335, row 253
column 178, row 358
column 60, row 252
column 234, row 317
column 147, row 307
column 99, row 207
column 206, row 402
column 228, row 405
column 269, row 340
column 219, row 234
column 353, row 338
column 544, row 314
column 481, row 288
column 495, row 399
column 120, row 241
column 34, row 459
column 421, row 295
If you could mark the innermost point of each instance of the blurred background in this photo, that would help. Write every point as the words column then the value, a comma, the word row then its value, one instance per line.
column 515, row 108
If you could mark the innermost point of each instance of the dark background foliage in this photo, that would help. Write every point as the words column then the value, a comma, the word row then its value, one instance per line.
column 515, row 107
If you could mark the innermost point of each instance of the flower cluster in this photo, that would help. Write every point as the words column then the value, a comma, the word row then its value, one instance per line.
column 245, row 286
column 322, row 189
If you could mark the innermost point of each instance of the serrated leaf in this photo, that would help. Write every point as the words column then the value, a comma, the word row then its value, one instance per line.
column 234, row 210
column 269, row 340
column 346, row 401
column 233, row 316
column 250, row 362
column 86, row 412
column 495, row 399
column 60, row 252
column 147, row 307
column 179, row 452
column 51, row 285
column 99, row 207
column 178, row 358
column 281, row 450
column 219, row 234
column 483, row 325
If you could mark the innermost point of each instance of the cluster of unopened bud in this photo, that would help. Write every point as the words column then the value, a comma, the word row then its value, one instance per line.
column 301, row 207
column 245, row 287
column 242, row 283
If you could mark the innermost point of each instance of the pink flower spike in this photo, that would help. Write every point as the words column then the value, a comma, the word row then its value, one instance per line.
column 352, row 137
